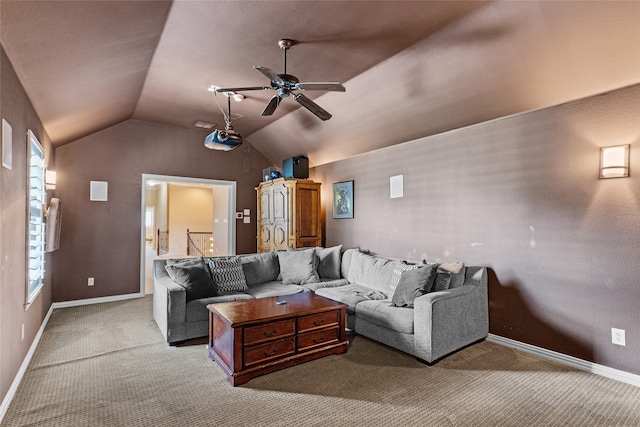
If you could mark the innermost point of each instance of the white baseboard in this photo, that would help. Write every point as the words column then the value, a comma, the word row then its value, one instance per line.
column 583, row 365
column 25, row 363
column 4, row 407
column 100, row 300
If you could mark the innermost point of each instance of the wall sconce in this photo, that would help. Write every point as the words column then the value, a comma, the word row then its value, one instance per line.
column 50, row 180
column 614, row 161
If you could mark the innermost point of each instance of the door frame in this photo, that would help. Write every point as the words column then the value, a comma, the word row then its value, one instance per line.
column 231, row 206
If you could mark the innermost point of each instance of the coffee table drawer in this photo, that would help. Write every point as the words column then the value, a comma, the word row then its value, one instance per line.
column 271, row 350
column 317, row 338
column 320, row 320
column 269, row 331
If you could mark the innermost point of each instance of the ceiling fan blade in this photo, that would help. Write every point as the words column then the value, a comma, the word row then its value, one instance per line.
column 240, row 89
column 312, row 106
column 270, row 74
column 331, row 86
column 271, row 106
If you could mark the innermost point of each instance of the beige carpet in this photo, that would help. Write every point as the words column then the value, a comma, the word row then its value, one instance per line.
column 106, row 365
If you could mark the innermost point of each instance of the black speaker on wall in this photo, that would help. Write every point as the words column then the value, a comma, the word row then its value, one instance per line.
column 295, row 167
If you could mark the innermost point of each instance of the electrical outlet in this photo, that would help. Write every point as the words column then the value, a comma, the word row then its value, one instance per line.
column 617, row 336
column 90, row 281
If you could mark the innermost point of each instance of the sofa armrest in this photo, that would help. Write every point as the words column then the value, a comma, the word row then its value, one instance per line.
column 448, row 320
column 169, row 304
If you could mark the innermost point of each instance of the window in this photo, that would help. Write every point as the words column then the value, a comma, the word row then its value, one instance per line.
column 35, row 219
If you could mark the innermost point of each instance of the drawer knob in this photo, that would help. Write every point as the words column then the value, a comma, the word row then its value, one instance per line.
column 318, row 340
column 270, row 334
column 318, row 322
column 275, row 350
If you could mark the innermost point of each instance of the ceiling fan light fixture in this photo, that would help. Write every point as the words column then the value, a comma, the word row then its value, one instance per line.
column 286, row 85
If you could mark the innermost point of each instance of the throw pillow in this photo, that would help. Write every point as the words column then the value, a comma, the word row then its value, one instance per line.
column 448, row 275
column 458, row 279
column 413, row 283
column 457, row 272
column 395, row 276
column 260, row 268
column 227, row 274
column 184, row 261
column 298, row 267
column 443, row 280
column 452, row 267
column 194, row 277
column 329, row 262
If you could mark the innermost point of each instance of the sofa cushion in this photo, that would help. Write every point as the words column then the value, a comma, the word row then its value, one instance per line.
column 414, row 283
column 194, row 277
column 259, row 268
column 325, row 283
column 345, row 262
column 227, row 274
column 371, row 271
column 329, row 262
column 351, row 295
column 197, row 309
column 298, row 267
column 382, row 313
column 273, row 289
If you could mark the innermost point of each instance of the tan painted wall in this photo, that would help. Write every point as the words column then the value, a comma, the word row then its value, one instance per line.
column 16, row 108
column 152, row 201
column 189, row 208
column 161, row 207
column 520, row 195
column 221, row 220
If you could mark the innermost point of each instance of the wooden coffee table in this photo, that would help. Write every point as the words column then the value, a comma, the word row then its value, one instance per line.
column 254, row 337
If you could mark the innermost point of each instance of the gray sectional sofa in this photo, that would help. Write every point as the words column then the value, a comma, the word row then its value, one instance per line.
column 426, row 310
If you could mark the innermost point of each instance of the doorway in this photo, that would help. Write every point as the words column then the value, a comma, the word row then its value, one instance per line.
column 178, row 211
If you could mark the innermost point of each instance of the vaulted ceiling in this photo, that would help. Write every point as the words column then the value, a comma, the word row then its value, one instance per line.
column 410, row 68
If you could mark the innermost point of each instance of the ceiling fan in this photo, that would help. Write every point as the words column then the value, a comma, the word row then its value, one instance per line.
column 285, row 84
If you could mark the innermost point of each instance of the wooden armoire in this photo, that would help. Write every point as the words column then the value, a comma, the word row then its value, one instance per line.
column 288, row 214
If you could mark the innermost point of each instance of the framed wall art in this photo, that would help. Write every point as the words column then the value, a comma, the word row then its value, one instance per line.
column 343, row 199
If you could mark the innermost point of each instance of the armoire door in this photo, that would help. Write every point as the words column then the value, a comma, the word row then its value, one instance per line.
column 280, row 201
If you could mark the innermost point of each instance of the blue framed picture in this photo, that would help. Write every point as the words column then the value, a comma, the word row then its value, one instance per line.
column 343, row 199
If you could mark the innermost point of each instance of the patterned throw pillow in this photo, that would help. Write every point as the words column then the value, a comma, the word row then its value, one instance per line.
column 227, row 274
column 395, row 277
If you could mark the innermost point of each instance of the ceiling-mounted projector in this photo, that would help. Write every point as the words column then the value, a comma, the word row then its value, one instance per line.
column 223, row 140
